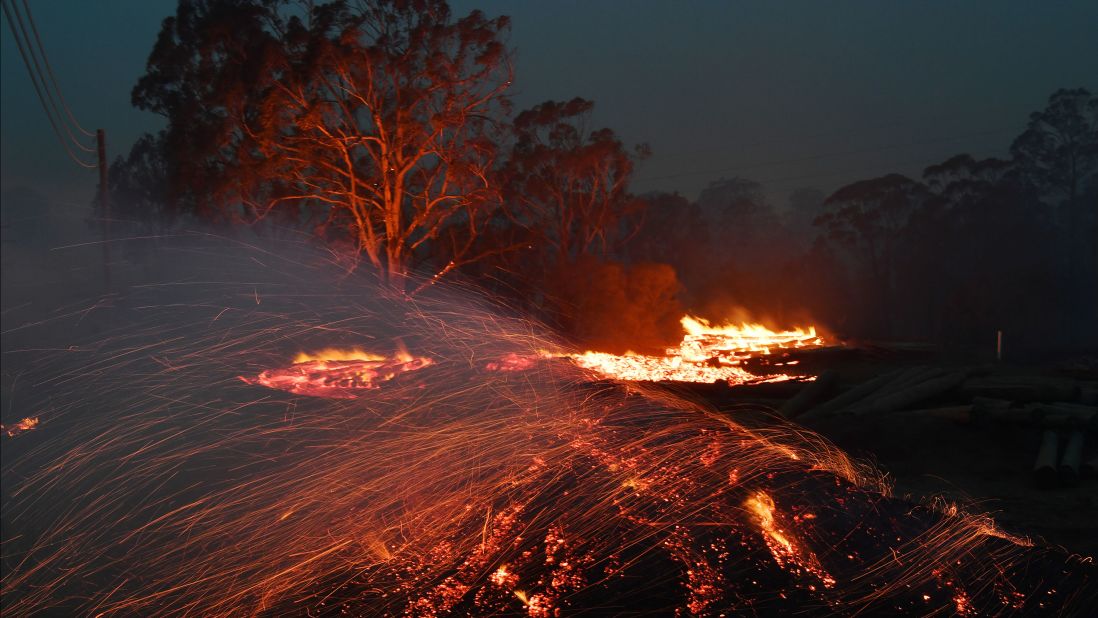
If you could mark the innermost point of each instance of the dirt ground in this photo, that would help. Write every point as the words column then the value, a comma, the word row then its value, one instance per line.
column 988, row 466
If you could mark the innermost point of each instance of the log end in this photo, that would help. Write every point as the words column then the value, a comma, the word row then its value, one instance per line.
column 1069, row 475
column 1046, row 477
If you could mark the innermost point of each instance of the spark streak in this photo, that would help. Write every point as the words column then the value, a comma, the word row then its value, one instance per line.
column 165, row 485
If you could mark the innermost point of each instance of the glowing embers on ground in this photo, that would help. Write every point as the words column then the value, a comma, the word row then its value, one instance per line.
column 458, row 490
column 707, row 353
column 338, row 373
column 26, row 424
column 786, row 552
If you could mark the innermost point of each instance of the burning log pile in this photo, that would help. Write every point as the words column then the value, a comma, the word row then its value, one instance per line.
column 711, row 353
column 478, row 482
column 1062, row 411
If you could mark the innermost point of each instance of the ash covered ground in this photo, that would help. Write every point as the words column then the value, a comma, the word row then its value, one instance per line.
column 158, row 482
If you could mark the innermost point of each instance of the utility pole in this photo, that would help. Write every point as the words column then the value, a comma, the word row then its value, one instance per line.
column 104, row 206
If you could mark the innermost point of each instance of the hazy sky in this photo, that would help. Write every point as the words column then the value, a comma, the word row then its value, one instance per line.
column 792, row 94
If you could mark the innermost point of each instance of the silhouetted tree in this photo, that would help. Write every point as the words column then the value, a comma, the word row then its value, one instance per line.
column 567, row 199
column 568, row 186
column 672, row 231
column 867, row 219
column 948, row 287
column 614, row 307
column 804, row 205
column 738, row 212
column 372, row 117
column 746, row 245
column 139, row 185
column 1058, row 153
column 1059, row 148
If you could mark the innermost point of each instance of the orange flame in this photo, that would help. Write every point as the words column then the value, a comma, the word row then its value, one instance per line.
column 707, row 353
column 337, row 354
column 762, row 505
column 26, row 424
column 786, row 553
column 341, row 373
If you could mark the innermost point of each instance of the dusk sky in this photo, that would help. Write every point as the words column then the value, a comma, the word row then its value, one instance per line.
column 792, row 94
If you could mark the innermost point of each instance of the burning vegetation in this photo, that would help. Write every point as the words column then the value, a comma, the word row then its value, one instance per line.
column 26, row 424
column 707, row 354
column 463, row 478
column 338, row 373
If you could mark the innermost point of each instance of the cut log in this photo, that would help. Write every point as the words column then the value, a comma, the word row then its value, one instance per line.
column 810, row 395
column 1010, row 414
column 959, row 414
column 915, row 375
column 1089, row 469
column 1088, row 393
column 896, row 400
column 1082, row 412
column 990, row 403
column 1022, row 388
column 893, row 349
column 828, row 356
column 1044, row 469
column 1072, row 459
column 1031, row 415
column 851, row 396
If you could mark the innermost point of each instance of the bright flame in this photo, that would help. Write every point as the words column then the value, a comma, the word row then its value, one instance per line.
column 786, row 553
column 337, row 354
column 745, row 337
column 339, row 373
column 26, row 424
column 762, row 505
column 707, row 353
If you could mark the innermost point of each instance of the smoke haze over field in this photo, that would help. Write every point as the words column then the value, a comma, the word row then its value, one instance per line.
column 459, row 487
column 745, row 107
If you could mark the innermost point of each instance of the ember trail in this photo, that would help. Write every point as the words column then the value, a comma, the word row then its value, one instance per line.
column 475, row 482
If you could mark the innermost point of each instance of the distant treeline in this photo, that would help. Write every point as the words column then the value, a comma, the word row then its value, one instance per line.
column 385, row 130
column 971, row 247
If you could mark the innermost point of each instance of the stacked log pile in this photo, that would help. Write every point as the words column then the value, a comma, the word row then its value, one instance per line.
column 1062, row 411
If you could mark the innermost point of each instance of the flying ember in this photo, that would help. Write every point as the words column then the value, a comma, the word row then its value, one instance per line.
column 477, row 475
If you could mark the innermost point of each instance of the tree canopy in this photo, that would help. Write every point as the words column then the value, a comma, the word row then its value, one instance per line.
column 384, row 127
column 373, row 120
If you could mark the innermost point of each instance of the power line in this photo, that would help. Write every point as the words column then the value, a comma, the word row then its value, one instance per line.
column 41, row 78
column 49, row 69
column 42, row 99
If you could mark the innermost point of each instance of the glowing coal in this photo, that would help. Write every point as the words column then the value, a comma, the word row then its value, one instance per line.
column 338, row 374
